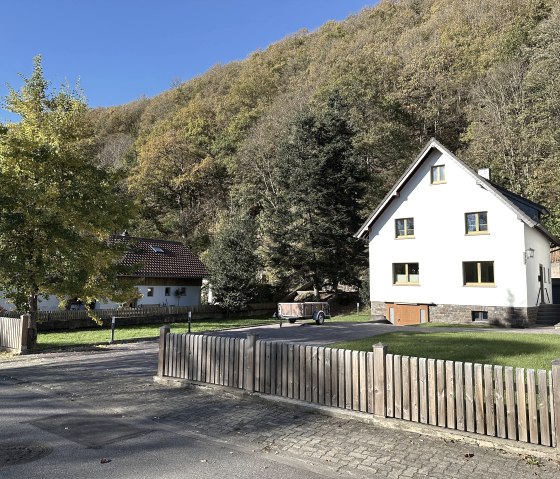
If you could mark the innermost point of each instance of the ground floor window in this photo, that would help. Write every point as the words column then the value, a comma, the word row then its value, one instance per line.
column 406, row 273
column 479, row 315
column 478, row 273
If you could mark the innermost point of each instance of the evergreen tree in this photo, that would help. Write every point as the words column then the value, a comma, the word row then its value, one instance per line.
column 233, row 263
column 320, row 184
column 57, row 208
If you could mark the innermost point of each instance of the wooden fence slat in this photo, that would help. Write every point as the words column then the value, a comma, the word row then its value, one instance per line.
column 241, row 363
column 279, row 359
column 355, row 380
column 414, row 390
column 297, row 371
column 204, row 360
column 450, row 393
column 308, row 377
column 511, row 419
column 236, row 362
column 223, row 362
column 231, row 361
column 521, row 405
column 501, row 428
column 291, row 371
column 489, row 400
column 389, row 385
column 432, row 392
column 459, row 396
column 258, row 365
column 397, row 382
column 363, row 382
column 379, row 392
column 532, row 405
column 303, row 377
column 285, row 369
column 267, row 367
column 273, row 362
column 441, row 399
column 423, row 389
column 544, row 416
column 341, row 384
column 479, row 399
column 314, row 375
column 195, row 358
column 328, row 376
column 553, row 420
column 348, row 379
column 334, row 377
column 370, row 392
column 173, row 361
column 469, row 398
column 321, row 373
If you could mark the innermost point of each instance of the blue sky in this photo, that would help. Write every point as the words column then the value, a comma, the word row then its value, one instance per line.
column 123, row 49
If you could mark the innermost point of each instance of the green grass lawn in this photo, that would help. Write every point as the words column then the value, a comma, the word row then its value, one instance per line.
column 83, row 337
column 91, row 337
column 507, row 349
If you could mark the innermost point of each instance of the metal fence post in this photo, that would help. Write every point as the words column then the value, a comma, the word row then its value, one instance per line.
column 163, row 332
column 555, row 388
column 379, row 388
column 250, row 349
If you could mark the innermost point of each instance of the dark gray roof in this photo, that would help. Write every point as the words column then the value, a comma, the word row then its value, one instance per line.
column 155, row 258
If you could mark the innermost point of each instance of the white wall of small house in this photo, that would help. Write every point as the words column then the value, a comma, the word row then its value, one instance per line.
column 541, row 245
column 190, row 298
column 441, row 245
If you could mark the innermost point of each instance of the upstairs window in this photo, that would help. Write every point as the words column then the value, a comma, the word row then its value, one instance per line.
column 167, row 291
column 150, row 292
column 438, row 174
column 476, row 223
column 404, row 228
column 406, row 273
column 478, row 273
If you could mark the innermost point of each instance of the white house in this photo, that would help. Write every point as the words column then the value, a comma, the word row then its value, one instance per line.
column 166, row 273
column 446, row 244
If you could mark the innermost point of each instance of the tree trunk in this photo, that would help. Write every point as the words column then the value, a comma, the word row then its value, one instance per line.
column 33, row 304
column 316, row 296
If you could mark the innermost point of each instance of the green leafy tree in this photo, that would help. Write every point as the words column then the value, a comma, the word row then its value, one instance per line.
column 320, row 185
column 234, row 264
column 57, row 208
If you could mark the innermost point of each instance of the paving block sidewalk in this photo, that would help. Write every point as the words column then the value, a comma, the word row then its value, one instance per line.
column 119, row 381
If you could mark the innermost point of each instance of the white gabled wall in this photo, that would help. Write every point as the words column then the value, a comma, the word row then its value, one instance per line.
column 537, row 241
column 440, row 244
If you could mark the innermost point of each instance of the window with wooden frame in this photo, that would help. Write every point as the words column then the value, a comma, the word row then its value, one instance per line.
column 437, row 174
column 406, row 273
column 478, row 273
column 404, row 228
column 476, row 223
column 150, row 292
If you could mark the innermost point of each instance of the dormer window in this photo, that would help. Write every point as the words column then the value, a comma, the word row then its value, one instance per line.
column 404, row 228
column 156, row 249
column 437, row 174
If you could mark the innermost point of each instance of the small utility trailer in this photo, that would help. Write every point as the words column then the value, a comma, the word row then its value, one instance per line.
column 317, row 311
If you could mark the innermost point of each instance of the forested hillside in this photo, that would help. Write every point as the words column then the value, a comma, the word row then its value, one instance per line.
column 480, row 76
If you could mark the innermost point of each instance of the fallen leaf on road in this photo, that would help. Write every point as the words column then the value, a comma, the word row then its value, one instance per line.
column 105, row 460
column 469, row 454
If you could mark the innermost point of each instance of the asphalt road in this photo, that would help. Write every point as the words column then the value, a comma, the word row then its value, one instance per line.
column 47, row 407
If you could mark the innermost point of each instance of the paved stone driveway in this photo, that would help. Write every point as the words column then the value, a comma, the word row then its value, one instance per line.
column 118, row 380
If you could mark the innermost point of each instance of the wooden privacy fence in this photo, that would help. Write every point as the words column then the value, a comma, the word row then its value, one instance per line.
column 517, row 404
column 13, row 333
column 61, row 315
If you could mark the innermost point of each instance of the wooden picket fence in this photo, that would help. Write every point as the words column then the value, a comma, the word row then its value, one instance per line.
column 517, row 404
column 13, row 333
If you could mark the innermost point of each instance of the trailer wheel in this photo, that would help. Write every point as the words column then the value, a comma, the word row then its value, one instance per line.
column 320, row 318
column 291, row 320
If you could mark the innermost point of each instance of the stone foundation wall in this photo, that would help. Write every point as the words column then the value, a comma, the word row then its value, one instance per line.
column 378, row 309
column 498, row 315
column 456, row 313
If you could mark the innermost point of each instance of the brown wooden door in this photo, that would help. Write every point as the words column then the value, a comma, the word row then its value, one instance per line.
column 406, row 314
